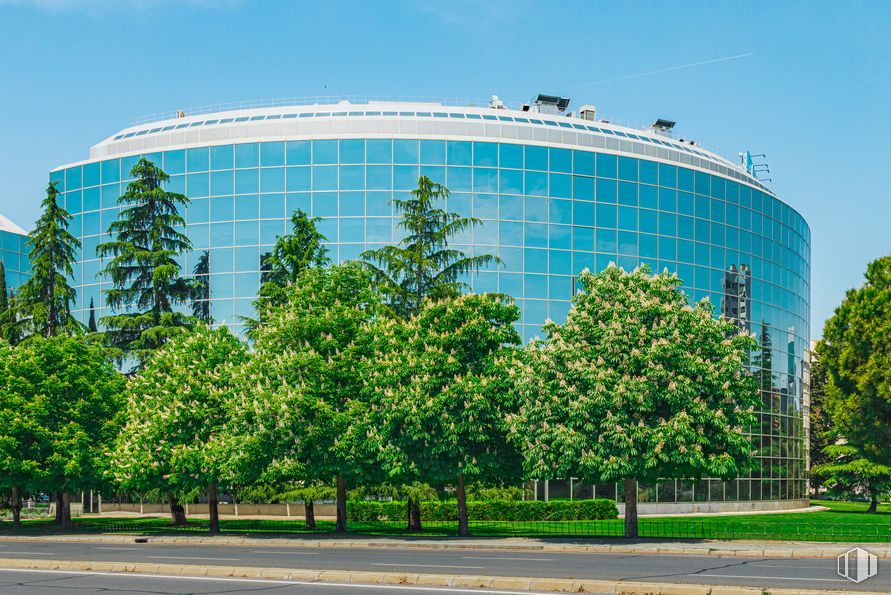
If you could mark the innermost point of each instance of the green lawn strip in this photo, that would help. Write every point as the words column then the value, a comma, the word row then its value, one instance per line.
column 845, row 521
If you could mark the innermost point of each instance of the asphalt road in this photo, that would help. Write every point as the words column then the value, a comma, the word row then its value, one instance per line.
column 812, row 573
column 19, row 582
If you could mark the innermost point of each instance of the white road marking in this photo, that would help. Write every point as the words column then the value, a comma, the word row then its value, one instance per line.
column 775, row 578
column 286, row 553
column 192, row 558
column 269, row 582
column 400, row 565
column 509, row 559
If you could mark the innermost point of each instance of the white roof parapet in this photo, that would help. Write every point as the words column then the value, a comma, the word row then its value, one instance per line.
column 7, row 225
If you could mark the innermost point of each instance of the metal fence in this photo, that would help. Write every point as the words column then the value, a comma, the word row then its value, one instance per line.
column 860, row 532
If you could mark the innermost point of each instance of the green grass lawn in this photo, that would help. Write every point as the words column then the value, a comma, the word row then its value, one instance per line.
column 845, row 521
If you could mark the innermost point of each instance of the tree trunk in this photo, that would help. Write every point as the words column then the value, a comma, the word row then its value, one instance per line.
column 630, row 508
column 213, row 508
column 177, row 512
column 873, row 504
column 16, row 509
column 463, row 529
column 65, row 522
column 341, row 525
column 310, row 513
column 414, row 514
column 59, row 506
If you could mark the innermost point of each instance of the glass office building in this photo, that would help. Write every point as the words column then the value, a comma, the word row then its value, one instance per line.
column 14, row 253
column 556, row 194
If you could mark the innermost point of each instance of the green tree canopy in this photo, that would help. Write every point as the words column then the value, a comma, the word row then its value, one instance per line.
column 143, row 269
column 177, row 408
column 301, row 392
column 44, row 300
column 422, row 264
column 856, row 352
column 302, row 248
column 60, row 397
column 441, row 392
column 636, row 385
column 848, row 474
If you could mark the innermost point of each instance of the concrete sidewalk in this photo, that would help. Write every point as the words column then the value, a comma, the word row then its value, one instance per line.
column 747, row 549
column 502, row 583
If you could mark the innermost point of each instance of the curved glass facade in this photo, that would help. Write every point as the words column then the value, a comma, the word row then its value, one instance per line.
column 14, row 256
column 549, row 210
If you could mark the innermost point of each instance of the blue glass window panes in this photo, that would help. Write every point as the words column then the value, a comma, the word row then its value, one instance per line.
column 511, row 156
column 536, row 183
column 583, row 239
column 627, row 193
column 196, row 160
column 536, row 234
column 197, row 185
column 561, row 160
column 92, row 175
column 272, row 154
column 379, row 177
column 607, row 166
column 649, row 172
column 606, row 216
column 379, row 151
column 512, row 207
column 647, row 196
column 222, row 208
column 606, row 190
column 110, row 195
column 176, row 184
column 352, row 204
column 298, row 152
column 247, row 181
column 685, row 179
column 405, row 177
column 647, row 221
column 272, row 206
column 74, row 178
column 668, row 175
column 560, row 186
column 582, row 188
column 379, row 203
column 111, row 171
column 222, row 182
column 352, row 151
column 627, row 218
column 536, row 158
column 324, row 178
column 536, row 209
column 198, row 211
column 174, row 162
column 221, row 157
column 324, row 152
column 247, row 207
column 485, row 206
column 433, row 152
column 485, row 179
column 485, row 154
column 583, row 163
column 352, row 177
column 406, row 151
column 459, row 152
column 247, row 155
column 560, row 211
column 272, row 179
column 91, row 199
column 560, row 237
column 511, row 181
column 628, row 169
column 127, row 164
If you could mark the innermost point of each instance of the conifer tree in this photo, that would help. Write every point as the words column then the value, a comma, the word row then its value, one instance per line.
column 91, row 324
column 44, row 304
column 146, row 283
column 422, row 264
column 201, row 289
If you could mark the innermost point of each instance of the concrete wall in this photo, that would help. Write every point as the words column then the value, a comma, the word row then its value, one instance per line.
column 715, row 507
column 273, row 510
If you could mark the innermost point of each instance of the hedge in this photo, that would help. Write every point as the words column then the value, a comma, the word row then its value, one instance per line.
column 493, row 510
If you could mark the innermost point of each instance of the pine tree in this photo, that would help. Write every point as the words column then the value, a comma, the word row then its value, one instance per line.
column 91, row 324
column 145, row 275
column 45, row 299
column 299, row 250
column 6, row 314
column 201, row 289
column 422, row 264
column 4, row 297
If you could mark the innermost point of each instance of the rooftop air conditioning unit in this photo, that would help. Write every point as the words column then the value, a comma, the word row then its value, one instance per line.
column 588, row 112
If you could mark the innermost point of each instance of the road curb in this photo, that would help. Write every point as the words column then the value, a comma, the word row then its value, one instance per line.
column 721, row 549
column 407, row 579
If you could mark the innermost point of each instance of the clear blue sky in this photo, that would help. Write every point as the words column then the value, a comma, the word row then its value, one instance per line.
column 812, row 91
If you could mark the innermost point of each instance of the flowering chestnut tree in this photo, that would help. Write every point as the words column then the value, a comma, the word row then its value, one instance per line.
column 177, row 406
column 636, row 385
column 302, row 391
column 441, row 393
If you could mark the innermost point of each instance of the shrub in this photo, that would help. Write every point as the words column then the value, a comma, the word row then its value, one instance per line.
column 490, row 510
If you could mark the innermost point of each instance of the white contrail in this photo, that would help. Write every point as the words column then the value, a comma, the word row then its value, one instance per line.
column 669, row 69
